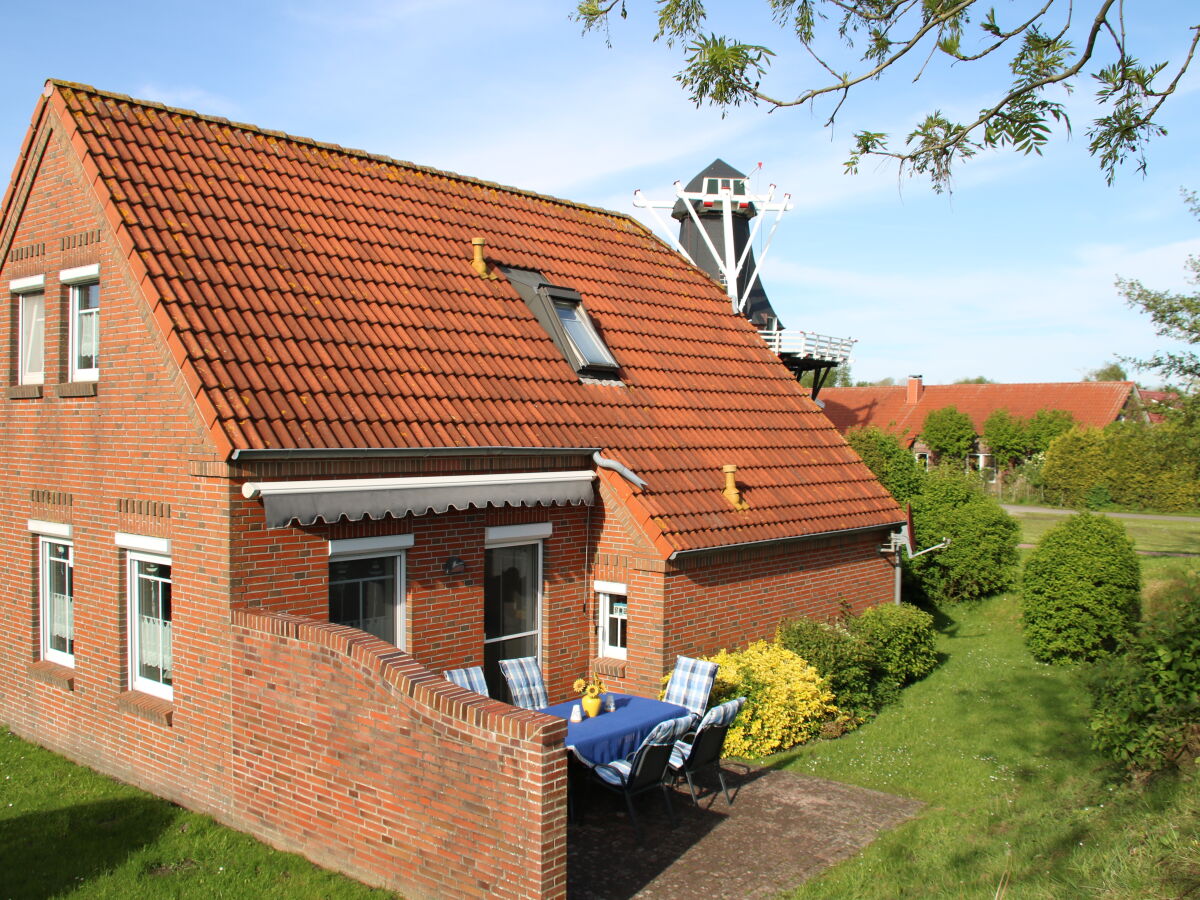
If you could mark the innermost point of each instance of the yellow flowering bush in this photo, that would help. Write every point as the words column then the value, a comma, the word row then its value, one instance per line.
column 787, row 701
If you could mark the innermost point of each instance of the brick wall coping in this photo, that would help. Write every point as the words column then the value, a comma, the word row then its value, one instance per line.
column 408, row 677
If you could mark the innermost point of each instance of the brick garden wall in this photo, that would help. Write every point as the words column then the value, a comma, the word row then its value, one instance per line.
column 350, row 752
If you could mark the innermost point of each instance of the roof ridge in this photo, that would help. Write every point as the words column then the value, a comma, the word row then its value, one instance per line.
column 348, row 151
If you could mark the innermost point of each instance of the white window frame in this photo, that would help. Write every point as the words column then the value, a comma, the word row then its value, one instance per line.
column 606, row 593
column 138, row 682
column 44, row 609
column 24, row 346
column 74, row 279
column 515, row 536
column 392, row 546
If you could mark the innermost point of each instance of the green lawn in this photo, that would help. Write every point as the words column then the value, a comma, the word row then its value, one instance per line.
column 1155, row 535
column 67, row 831
column 1018, row 803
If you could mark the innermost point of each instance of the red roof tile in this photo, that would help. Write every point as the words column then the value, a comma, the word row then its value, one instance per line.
column 1092, row 403
column 324, row 297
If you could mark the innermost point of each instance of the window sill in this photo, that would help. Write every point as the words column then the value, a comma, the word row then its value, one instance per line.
column 25, row 392
column 609, row 668
column 61, row 677
column 154, row 710
column 76, row 389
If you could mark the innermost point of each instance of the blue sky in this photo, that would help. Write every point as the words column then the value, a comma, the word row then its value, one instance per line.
column 1010, row 276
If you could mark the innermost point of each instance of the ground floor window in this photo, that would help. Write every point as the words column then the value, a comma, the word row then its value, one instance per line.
column 612, row 607
column 57, row 601
column 149, row 588
column 512, row 600
column 365, row 592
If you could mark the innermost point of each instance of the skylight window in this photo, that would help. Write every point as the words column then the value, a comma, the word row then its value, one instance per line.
column 561, row 312
column 581, row 333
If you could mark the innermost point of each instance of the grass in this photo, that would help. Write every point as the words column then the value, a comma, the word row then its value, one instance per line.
column 1176, row 535
column 1018, row 804
column 68, row 831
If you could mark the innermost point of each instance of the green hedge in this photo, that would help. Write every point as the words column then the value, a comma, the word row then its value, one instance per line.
column 1081, row 590
column 903, row 639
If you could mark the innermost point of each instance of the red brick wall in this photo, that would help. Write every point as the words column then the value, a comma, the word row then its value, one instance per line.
column 732, row 598
column 115, row 461
column 351, row 753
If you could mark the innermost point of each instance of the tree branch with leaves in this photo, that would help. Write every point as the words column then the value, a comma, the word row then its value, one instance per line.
column 1050, row 48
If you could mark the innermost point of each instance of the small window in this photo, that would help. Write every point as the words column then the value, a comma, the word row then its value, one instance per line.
column 57, row 601
column 85, row 331
column 32, row 329
column 612, row 606
column 148, row 585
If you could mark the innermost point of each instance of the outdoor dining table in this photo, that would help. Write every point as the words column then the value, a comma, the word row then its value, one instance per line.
column 616, row 734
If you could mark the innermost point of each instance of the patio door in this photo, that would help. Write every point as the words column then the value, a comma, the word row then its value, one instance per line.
column 512, row 608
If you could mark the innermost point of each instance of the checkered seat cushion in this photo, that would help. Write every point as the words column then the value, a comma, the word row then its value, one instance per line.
column 691, row 683
column 525, row 683
column 471, row 678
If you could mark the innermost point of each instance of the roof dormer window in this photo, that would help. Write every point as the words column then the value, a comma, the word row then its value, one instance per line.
column 561, row 312
column 580, row 331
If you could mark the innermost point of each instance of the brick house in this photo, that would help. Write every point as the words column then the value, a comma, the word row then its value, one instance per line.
column 901, row 409
column 292, row 428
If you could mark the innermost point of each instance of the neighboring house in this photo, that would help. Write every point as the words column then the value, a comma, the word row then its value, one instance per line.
column 901, row 409
column 290, row 429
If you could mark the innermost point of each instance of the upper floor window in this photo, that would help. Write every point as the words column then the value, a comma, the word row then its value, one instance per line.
column 84, row 302
column 31, row 329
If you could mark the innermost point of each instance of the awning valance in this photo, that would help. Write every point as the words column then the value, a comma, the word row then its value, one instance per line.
column 374, row 498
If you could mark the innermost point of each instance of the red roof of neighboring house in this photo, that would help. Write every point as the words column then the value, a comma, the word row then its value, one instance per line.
column 318, row 297
column 901, row 410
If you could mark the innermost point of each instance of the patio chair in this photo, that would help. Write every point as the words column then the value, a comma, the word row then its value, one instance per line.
column 644, row 769
column 471, row 678
column 690, row 684
column 704, row 749
column 525, row 683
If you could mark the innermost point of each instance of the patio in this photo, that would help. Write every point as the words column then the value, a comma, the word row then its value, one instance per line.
column 781, row 829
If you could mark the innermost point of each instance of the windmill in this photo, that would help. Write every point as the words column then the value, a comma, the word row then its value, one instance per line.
column 719, row 219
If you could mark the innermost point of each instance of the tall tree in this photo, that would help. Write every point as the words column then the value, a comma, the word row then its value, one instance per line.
column 1111, row 371
column 1175, row 316
column 1047, row 42
column 1007, row 437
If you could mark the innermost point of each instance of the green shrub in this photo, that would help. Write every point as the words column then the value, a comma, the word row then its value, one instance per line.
column 948, row 433
column 853, row 667
column 1074, row 465
column 894, row 465
column 902, row 637
column 1080, row 594
column 1146, row 699
column 787, row 701
column 982, row 556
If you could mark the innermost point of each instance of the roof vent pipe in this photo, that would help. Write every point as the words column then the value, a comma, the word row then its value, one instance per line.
column 731, row 492
column 478, row 263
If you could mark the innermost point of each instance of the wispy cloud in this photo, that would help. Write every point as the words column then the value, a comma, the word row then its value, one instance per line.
column 190, row 97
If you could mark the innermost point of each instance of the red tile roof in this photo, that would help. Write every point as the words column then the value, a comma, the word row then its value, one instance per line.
column 318, row 297
column 1092, row 403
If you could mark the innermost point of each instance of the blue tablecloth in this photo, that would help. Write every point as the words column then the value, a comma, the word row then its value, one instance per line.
column 612, row 735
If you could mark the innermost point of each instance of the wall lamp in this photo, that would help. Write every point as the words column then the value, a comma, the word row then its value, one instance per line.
column 454, row 566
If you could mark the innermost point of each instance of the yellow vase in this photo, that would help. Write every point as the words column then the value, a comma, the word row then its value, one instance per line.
column 591, row 706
